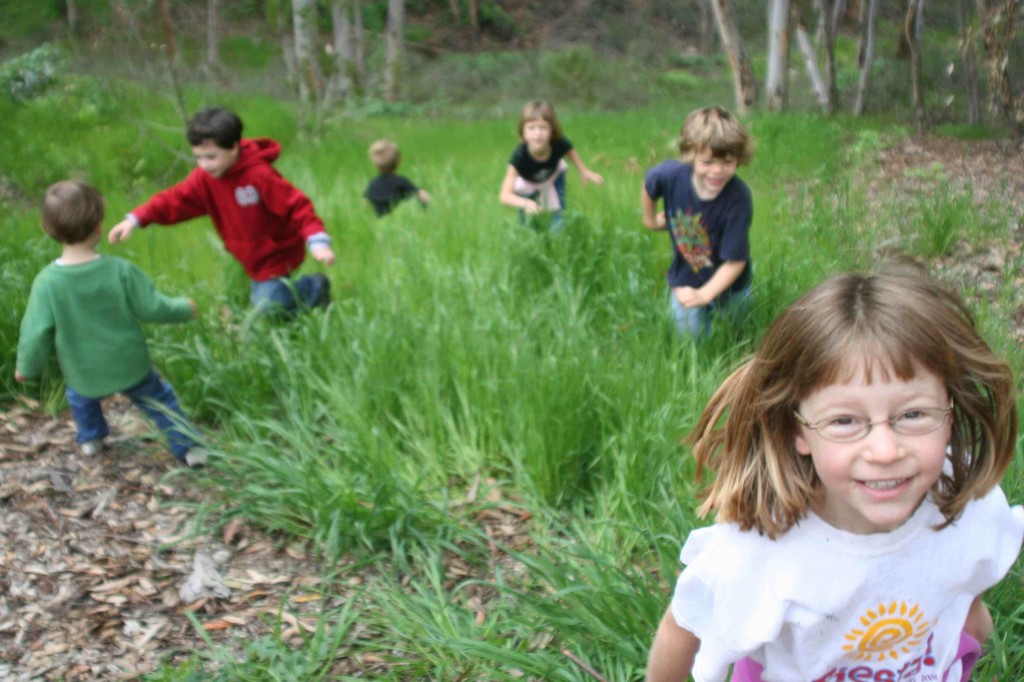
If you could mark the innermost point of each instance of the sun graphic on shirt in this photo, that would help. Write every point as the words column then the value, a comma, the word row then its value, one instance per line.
column 888, row 633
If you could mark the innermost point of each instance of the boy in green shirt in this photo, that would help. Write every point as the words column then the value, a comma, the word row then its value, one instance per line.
column 89, row 307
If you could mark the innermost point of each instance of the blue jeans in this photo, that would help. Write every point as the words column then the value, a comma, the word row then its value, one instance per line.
column 695, row 322
column 153, row 395
column 283, row 295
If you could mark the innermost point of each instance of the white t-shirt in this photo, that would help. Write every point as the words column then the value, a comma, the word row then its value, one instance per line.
column 822, row 605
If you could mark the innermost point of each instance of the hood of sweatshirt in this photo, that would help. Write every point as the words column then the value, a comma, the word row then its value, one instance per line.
column 253, row 152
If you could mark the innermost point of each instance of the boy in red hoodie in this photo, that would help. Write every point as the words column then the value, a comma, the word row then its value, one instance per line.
column 266, row 222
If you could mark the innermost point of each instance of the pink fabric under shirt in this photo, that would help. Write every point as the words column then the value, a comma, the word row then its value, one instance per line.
column 548, row 194
column 967, row 654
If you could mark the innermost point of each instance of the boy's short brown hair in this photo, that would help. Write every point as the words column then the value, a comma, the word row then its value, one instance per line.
column 385, row 156
column 72, row 211
column 215, row 123
column 716, row 130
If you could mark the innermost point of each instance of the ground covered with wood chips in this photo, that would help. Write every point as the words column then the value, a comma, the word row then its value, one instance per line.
column 106, row 571
column 103, row 571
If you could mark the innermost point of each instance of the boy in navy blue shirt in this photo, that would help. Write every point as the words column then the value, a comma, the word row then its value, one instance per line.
column 707, row 212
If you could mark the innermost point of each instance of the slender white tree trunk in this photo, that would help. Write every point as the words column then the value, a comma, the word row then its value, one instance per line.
column 344, row 65
column 308, row 70
column 213, row 34
column 73, row 15
column 827, row 15
column 865, row 52
column 393, row 44
column 969, row 66
column 777, row 81
column 916, row 84
column 358, row 40
column 803, row 39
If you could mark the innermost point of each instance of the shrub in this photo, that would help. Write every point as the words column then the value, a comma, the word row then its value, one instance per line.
column 28, row 75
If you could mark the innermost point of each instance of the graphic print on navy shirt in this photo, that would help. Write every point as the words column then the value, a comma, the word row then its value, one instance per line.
column 691, row 238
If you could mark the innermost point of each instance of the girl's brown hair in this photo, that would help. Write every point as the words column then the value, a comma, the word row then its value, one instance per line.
column 895, row 321
column 72, row 211
column 716, row 130
column 541, row 109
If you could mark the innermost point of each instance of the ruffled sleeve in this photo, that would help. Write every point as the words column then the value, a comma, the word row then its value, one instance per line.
column 725, row 598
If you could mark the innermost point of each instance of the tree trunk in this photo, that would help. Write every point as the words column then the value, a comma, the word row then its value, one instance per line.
column 213, row 35
column 393, row 43
column 777, row 81
column 998, row 29
column 707, row 27
column 865, row 52
column 358, row 40
column 344, row 63
column 307, row 68
column 73, row 18
column 803, row 39
column 826, row 11
column 969, row 66
column 742, row 71
column 474, row 15
column 171, row 50
column 836, row 15
column 914, row 48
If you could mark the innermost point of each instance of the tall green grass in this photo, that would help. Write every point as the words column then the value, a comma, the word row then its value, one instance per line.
column 469, row 364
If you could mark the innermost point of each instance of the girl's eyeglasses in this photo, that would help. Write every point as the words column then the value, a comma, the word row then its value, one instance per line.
column 847, row 428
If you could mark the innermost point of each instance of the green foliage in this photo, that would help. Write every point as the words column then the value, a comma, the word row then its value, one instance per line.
column 493, row 16
column 30, row 74
column 942, row 219
column 26, row 19
column 248, row 52
column 573, row 71
column 695, row 60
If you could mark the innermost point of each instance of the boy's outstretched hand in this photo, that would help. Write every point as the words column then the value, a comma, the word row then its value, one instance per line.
column 121, row 231
column 19, row 377
column 322, row 253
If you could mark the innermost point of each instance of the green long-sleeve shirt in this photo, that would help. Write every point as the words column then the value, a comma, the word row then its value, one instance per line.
column 92, row 314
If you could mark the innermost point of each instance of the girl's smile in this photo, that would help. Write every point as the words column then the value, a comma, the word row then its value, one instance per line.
column 874, row 484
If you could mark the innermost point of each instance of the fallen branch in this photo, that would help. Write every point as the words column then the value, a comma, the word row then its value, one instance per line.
column 586, row 668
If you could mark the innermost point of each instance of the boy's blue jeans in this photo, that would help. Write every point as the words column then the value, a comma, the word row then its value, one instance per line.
column 695, row 323
column 283, row 295
column 153, row 395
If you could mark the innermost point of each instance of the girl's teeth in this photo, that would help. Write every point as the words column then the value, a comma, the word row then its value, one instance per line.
column 881, row 485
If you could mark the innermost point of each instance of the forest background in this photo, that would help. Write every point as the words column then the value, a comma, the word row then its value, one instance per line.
column 469, row 467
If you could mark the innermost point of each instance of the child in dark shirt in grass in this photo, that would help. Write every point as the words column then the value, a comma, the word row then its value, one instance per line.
column 389, row 189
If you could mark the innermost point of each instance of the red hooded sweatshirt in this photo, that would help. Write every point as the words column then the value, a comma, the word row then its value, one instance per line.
column 263, row 219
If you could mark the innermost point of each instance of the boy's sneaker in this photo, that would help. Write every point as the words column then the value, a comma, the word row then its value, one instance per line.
column 196, row 457
column 91, row 448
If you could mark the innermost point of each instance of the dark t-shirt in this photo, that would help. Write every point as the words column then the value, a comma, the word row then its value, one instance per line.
column 533, row 170
column 704, row 233
column 386, row 190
